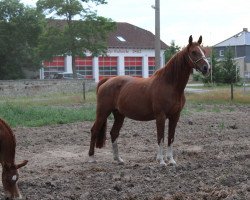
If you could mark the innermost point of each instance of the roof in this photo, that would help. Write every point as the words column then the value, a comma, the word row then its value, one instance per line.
column 239, row 39
column 124, row 36
column 130, row 36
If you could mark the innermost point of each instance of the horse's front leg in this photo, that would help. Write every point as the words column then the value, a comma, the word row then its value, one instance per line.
column 160, row 124
column 171, row 132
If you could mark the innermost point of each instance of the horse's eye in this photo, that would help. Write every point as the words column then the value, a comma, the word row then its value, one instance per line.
column 194, row 53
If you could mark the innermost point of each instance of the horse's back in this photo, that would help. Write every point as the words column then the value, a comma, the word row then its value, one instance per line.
column 110, row 88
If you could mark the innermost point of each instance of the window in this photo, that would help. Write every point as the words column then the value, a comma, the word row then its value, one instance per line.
column 222, row 53
column 120, row 38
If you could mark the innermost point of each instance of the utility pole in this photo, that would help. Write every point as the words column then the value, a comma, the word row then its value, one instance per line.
column 211, row 72
column 157, row 35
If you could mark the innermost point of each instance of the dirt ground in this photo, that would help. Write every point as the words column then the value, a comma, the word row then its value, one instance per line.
column 211, row 149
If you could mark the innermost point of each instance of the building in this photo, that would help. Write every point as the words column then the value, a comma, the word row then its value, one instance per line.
column 240, row 46
column 130, row 52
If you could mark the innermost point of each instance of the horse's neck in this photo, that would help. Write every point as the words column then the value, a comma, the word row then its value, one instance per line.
column 7, row 152
column 176, row 72
column 7, row 144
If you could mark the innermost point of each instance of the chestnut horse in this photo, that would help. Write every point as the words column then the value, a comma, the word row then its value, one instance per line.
column 7, row 158
column 158, row 97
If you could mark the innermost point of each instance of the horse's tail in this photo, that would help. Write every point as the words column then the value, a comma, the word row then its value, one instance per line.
column 101, row 136
column 100, row 83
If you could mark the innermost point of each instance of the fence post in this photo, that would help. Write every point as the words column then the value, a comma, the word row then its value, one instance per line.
column 84, row 90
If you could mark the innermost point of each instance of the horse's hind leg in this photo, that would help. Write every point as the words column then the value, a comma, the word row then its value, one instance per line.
column 118, row 122
column 98, row 135
column 160, row 124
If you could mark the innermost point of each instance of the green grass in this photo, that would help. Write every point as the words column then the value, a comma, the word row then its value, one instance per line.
column 68, row 108
column 47, row 109
column 33, row 116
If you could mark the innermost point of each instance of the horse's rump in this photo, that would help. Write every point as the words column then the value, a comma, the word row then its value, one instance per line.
column 100, row 83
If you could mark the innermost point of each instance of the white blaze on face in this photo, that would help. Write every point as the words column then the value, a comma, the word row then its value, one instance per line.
column 204, row 57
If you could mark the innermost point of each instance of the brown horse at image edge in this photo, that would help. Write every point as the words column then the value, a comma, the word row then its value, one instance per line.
column 7, row 158
column 158, row 97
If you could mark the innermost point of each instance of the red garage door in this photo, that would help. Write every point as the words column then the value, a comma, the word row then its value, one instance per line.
column 133, row 66
column 84, row 66
column 107, row 67
column 53, row 67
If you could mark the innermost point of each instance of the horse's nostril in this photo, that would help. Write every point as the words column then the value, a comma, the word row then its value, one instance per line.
column 205, row 68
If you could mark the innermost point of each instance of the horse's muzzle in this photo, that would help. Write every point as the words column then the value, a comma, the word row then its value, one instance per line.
column 206, row 70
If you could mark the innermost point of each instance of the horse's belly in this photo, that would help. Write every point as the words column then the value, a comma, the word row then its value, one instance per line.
column 137, row 113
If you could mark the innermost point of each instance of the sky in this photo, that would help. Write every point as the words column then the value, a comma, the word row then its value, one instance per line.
column 215, row 20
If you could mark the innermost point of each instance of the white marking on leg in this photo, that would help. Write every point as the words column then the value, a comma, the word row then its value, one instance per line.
column 116, row 152
column 160, row 154
column 92, row 159
column 170, row 154
column 14, row 178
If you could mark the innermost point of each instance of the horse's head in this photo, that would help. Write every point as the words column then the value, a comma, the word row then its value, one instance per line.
column 197, row 57
column 9, row 178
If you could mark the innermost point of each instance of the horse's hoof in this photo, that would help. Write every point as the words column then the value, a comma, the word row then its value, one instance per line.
column 163, row 164
column 92, row 159
column 172, row 162
column 121, row 163
column 119, row 160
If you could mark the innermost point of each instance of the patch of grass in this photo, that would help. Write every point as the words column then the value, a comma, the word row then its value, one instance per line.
column 185, row 111
column 34, row 116
column 221, row 126
column 216, row 109
column 199, row 107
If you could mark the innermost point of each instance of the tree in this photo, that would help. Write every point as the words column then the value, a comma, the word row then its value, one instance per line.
column 224, row 71
column 171, row 50
column 74, row 37
column 230, row 73
column 20, row 28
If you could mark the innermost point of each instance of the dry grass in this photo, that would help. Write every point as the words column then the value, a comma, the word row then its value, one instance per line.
column 220, row 95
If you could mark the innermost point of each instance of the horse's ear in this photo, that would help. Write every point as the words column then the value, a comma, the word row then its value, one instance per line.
column 22, row 164
column 200, row 40
column 190, row 41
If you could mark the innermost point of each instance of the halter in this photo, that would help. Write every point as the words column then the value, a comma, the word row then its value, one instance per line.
column 196, row 61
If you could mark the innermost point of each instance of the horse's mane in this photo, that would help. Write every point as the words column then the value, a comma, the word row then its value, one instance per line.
column 176, row 68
